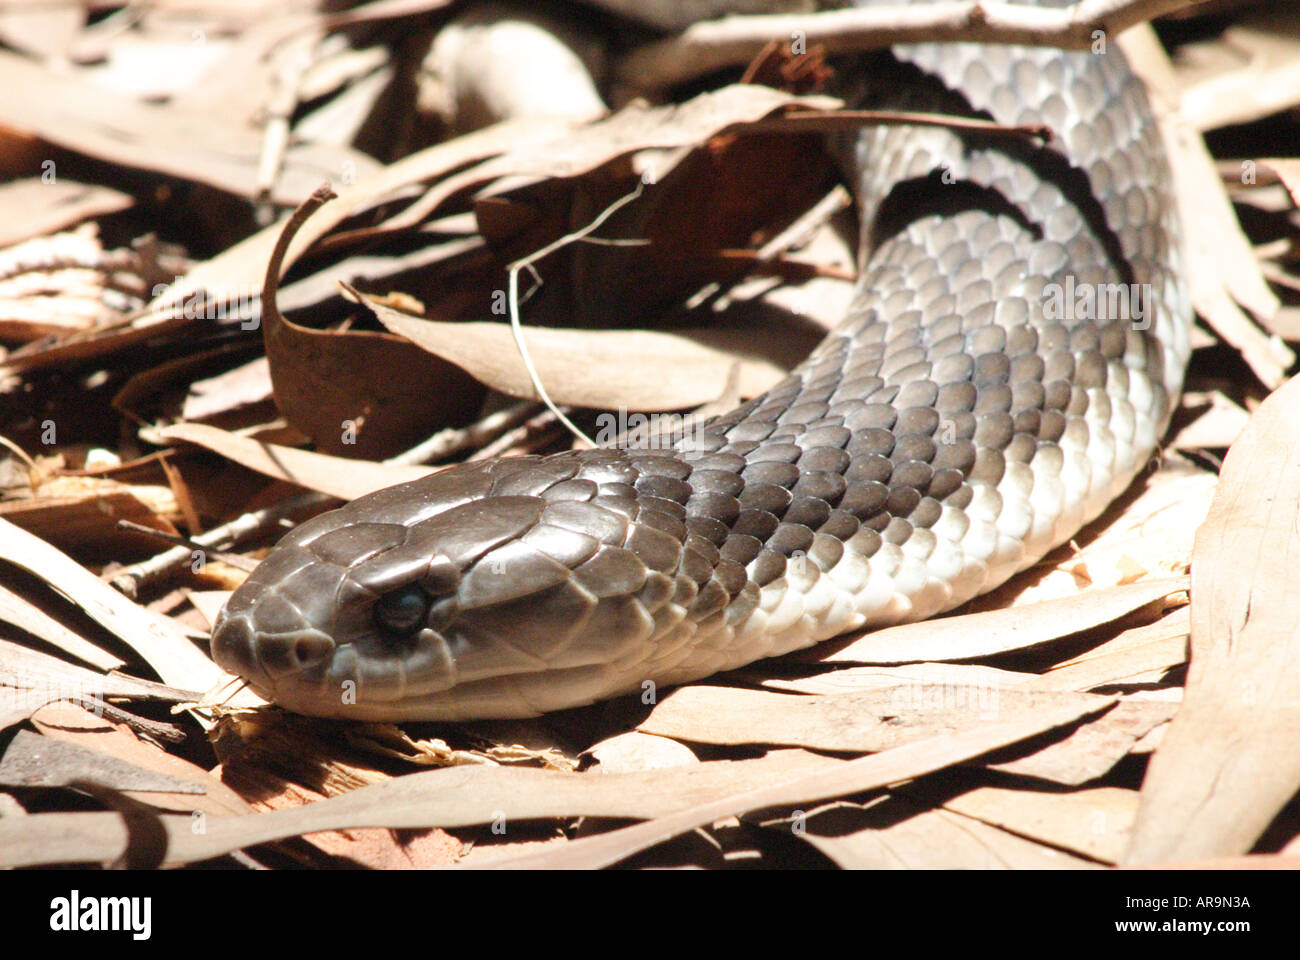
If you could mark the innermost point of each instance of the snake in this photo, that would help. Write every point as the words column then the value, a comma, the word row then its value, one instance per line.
column 1015, row 343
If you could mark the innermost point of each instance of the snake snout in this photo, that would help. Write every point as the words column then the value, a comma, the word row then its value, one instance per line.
column 263, row 659
column 234, row 648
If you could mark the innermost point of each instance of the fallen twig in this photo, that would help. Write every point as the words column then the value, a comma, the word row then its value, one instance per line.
column 732, row 41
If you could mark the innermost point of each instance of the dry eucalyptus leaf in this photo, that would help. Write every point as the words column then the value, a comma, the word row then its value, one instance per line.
column 1146, row 535
column 82, row 513
column 1227, row 764
column 338, row 476
column 244, row 385
column 64, row 108
column 158, row 640
column 208, row 602
column 203, row 794
column 853, row 679
column 374, row 847
column 1094, row 747
column 881, row 836
column 1218, row 424
column 388, row 739
column 853, row 776
column 635, row 750
column 30, row 679
column 1249, row 71
column 1094, row 822
column 605, row 369
column 33, row 207
column 869, row 721
column 357, row 392
column 22, row 613
column 55, row 286
column 1127, row 658
column 31, row 760
column 572, row 151
column 1288, row 169
column 454, row 796
column 236, row 271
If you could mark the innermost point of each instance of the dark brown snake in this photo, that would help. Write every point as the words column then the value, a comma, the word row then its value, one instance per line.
column 1015, row 345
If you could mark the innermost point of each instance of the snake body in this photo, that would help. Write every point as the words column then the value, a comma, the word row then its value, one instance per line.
column 1015, row 344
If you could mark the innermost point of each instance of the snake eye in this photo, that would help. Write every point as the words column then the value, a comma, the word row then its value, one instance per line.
column 402, row 611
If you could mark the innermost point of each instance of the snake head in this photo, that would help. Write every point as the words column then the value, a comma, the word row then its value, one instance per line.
column 502, row 589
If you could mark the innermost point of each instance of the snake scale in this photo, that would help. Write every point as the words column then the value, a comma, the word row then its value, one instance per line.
column 1016, row 341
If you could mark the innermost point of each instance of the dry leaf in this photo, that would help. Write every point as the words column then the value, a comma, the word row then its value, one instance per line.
column 165, row 647
column 892, row 834
column 31, row 760
column 343, row 478
column 34, row 207
column 454, row 796
column 853, row 776
column 850, row 679
column 1092, row 749
column 1093, row 822
column 637, row 369
column 1150, row 528
column 374, row 847
column 66, row 109
column 29, row 680
column 1226, row 766
column 634, row 750
column 1249, row 71
column 22, row 613
column 1131, row 657
column 204, row 794
column 864, row 722
column 1288, row 170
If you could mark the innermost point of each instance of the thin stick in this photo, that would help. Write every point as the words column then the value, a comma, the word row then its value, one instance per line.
column 130, row 579
column 452, row 440
column 734, row 41
column 189, row 543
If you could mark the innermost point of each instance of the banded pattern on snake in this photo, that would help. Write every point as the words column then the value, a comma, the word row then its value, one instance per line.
column 972, row 411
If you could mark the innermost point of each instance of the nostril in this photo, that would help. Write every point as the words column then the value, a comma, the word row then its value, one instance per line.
column 281, row 656
column 311, row 650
